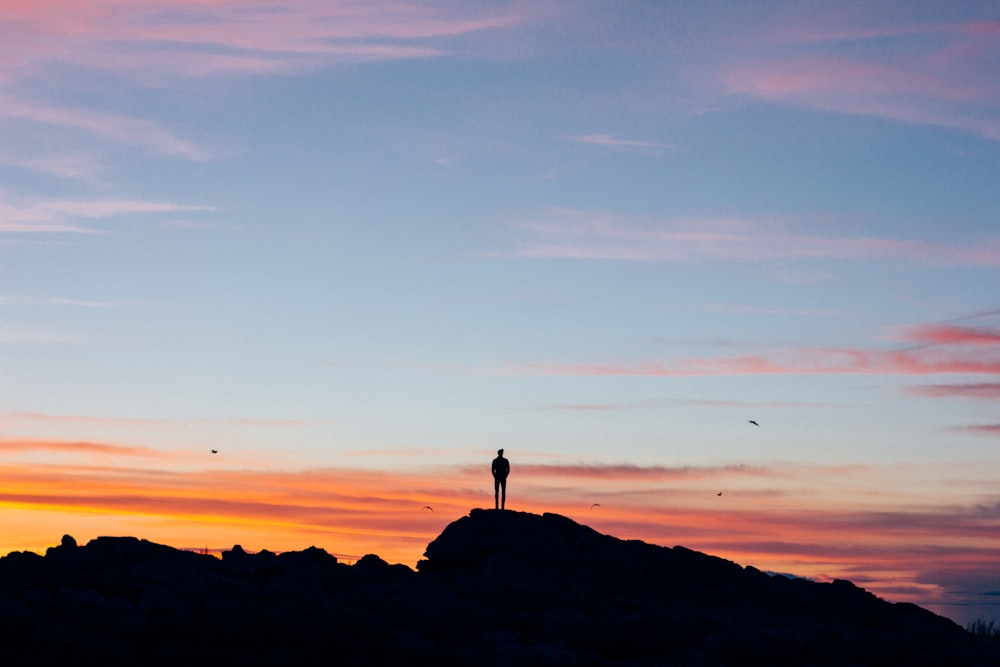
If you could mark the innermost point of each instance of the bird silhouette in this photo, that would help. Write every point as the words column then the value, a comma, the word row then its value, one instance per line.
column 595, row 505
column 753, row 422
column 215, row 451
column 719, row 493
column 428, row 507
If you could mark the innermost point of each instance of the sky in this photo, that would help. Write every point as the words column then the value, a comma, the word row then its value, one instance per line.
column 355, row 247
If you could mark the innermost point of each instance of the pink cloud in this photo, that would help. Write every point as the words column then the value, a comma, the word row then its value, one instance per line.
column 794, row 362
column 922, row 73
column 982, row 429
column 159, row 41
column 987, row 390
column 951, row 335
column 939, row 349
column 205, row 38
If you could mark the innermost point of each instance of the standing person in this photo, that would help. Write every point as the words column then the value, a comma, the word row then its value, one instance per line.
column 500, row 469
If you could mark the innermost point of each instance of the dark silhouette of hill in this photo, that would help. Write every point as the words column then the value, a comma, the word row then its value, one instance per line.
column 495, row 588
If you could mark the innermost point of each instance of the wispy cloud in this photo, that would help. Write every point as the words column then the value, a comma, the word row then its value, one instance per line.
column 219, row 37
column 655, row 404
column 11, row 418
column 561, row 233
column 30, row 335
column 161, row 43
column 942, row 334
column 767, row 310
column 116, row 127
column 62, row 216
column 8, row 446
column 930, row 350
column 927, row 73
column 61, row 301
column 63, row 166
column 827, row 361
column 609, row 140
column 982, row 429
column 982, row 390
column 624, row 472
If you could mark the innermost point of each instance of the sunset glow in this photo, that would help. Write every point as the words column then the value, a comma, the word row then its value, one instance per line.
column 717, row 275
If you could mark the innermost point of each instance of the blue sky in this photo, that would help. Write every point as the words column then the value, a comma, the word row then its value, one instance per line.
column 372, row 242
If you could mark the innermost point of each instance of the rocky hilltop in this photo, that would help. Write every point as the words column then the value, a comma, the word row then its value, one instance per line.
column 495, row 588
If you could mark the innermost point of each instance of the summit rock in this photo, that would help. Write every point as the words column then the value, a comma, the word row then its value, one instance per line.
column 494, row 588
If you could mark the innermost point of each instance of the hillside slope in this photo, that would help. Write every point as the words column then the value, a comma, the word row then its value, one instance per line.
column 495, row 588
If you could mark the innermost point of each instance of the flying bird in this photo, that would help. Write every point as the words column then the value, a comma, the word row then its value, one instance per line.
column 719, row 493
column 595, row 505
column 428, row 507
column 215, row 451
column 753, row 422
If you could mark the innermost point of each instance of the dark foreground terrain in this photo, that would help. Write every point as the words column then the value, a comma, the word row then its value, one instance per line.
column 496, row 588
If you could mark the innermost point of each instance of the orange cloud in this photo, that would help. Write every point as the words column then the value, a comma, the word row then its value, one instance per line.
column 29, row 445
column 816, row 521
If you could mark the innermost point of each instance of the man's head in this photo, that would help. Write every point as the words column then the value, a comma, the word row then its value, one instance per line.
column 500, row 452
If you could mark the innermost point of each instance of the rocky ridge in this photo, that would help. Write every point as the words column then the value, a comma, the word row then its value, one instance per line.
column 495, row 588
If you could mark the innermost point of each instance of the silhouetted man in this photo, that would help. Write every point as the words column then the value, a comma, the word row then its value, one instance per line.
column 501, row 468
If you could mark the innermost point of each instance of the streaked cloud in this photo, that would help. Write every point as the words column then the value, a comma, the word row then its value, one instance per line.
column 767, row 310
column 792, row 362
column 111, row 126
column 931, row 349
column 942, row 334
column 62, row 301
column 625, row 472
column 11, row 418
column 62, row 216
column 158, row 43
column 655, row 404
column 30, row 335
column 63, row 166
column 8, row 446
column 981, row 429
column 612, row 141
column 871, row 64
column 220, row 37
column 563, row 233
column 981, row 390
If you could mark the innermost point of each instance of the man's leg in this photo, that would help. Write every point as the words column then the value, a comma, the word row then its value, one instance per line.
column 496, row 492
column 503, row 497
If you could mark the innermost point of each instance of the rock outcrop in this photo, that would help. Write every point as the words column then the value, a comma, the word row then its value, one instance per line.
column 495, row 588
